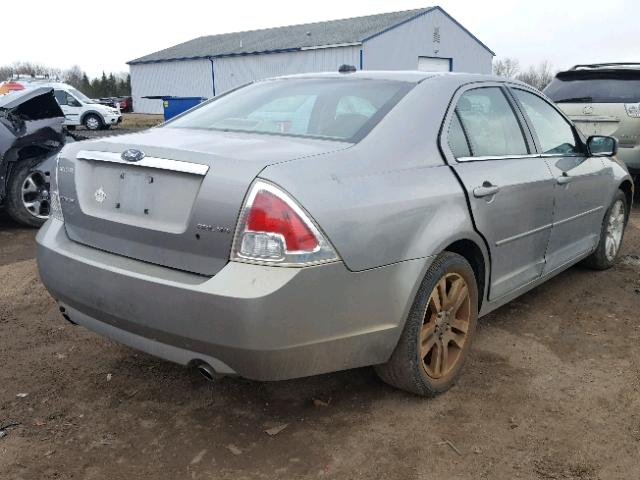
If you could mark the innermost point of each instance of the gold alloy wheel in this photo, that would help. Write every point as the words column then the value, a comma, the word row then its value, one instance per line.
column 445, row 325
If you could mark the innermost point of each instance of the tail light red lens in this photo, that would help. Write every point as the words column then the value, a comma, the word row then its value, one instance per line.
column 271, row 214
column 274, row 229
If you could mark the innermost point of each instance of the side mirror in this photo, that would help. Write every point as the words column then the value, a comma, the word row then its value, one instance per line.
column 72, row 102
column 601, row 146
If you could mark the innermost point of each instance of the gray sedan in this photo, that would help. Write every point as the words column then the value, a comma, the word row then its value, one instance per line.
column 315, row 223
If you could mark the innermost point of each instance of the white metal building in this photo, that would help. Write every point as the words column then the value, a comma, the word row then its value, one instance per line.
column 424, row 39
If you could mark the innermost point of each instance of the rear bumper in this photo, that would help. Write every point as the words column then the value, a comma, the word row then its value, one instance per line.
column 264, row 323
column 631, row 157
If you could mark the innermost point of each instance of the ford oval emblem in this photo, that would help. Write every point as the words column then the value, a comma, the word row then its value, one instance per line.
column 132, row 155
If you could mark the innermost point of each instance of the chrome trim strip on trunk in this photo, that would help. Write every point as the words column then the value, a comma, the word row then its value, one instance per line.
column 149, row 162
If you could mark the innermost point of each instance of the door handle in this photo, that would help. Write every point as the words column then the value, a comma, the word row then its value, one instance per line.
column 564, row 179
column 485, row 190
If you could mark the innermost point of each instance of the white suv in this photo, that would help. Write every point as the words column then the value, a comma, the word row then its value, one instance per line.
column 603, row 99
column 81, row 110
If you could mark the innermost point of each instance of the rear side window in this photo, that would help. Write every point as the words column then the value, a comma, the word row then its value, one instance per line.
column 490, row 123
column 595, row 87
column 457, row 139
column 554, row 132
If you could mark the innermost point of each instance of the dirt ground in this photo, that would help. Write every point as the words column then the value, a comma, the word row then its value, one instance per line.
column 551, row 391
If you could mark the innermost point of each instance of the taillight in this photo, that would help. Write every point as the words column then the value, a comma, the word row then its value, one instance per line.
column 273, row 229
column 54, row 194
column 633, row 109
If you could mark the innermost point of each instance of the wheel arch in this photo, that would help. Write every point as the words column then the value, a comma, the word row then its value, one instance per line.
column 15, row 155
column 474, row 254
column 627, row 188
column 91, row 112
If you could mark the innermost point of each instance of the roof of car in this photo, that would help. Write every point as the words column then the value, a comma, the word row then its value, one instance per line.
column 608, row 66
column 412, row 76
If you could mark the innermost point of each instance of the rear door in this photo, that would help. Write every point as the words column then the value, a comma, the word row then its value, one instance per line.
column 579, row 196
column 510, row 188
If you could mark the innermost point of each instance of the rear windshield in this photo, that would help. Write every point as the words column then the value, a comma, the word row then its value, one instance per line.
column 595, row 87
column 339, row 109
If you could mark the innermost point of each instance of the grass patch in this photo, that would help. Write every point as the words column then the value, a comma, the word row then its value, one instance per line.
column 140, row 120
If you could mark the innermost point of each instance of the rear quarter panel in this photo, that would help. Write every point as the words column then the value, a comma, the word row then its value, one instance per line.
column 391, row 197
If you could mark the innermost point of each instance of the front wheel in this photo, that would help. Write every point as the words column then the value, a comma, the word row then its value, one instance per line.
column 611, row 233
column 28, row 200
column 437, row 336
column 93, row 122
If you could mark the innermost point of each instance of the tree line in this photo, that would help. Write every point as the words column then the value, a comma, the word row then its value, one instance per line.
column 538, row 76
column 113, row 84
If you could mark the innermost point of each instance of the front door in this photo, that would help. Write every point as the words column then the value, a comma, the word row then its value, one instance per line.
column 579, row 197
column 71, row 107
column 510, row 188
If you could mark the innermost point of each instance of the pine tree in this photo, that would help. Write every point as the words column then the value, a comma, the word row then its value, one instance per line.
column 86, row 87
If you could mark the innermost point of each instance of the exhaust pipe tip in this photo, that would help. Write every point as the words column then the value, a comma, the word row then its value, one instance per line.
column 208, row 372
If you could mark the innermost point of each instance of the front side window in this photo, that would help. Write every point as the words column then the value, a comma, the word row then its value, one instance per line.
column 554, row 132
column 79, row 96
column 61, row 97
column 333, row 108
column 490, row 123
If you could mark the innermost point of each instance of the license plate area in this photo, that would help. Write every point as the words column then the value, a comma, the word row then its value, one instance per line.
column 144, row 197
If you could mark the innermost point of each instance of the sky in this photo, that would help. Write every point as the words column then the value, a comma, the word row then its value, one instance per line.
column 104, row 35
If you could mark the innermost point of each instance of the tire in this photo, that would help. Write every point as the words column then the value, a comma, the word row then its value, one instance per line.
column 413, row 367
column 93, row 122
column 28, row 195
column 611, row 234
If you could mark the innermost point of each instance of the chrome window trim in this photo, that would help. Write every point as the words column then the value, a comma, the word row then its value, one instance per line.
column 149, row 162
column 516, row 157
column 562, row 155
column 499, row 157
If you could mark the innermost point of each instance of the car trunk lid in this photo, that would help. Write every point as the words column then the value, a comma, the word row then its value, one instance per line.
column 177, row 206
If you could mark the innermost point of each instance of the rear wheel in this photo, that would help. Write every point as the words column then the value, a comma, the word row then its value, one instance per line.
column 611, row 233
column 93, row 122
column 437, row 336
column 28, row 195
